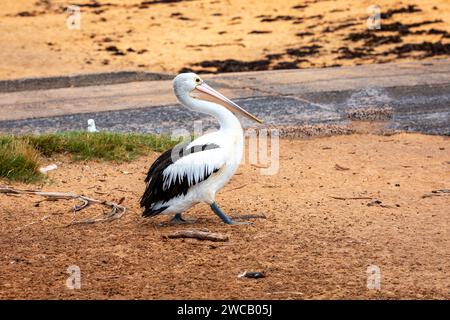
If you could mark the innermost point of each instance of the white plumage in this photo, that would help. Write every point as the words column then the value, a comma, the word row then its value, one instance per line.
column 193, row 173
column 91, row 126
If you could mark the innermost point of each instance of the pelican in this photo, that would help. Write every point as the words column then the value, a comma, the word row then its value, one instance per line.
column 193, row 172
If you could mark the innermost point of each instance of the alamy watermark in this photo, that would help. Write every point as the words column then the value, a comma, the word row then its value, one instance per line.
column 263, row 147
column 373, row 277
column 73, row 21
column 74, row 279
column 374, row 19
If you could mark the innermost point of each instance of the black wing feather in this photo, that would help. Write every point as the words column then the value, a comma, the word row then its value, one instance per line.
column 154, row 192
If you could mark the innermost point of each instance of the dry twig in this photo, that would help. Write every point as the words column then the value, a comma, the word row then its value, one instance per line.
column 434, row 193
column 250, row 216
column 260, row 166
column 351, row 198
column 237, row 188
column 197, row 234
column 117, row 210
column 340, row 168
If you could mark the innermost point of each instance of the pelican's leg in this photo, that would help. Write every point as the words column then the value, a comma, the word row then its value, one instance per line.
column 178, row 218
column 224, row 217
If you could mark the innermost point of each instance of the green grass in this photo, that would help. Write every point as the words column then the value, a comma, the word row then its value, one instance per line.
column 20, row 156
column 18, row 160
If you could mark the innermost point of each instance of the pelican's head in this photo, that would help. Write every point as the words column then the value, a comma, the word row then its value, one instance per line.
column 189, row 87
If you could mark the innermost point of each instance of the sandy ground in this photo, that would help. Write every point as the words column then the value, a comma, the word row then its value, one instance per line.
column 310, row 246
column 171, row 35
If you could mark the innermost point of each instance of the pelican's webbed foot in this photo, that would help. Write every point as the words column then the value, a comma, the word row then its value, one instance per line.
column 178, row 219
column 215, row 208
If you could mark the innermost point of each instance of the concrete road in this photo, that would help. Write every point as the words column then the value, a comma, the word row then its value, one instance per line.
column 406, row 97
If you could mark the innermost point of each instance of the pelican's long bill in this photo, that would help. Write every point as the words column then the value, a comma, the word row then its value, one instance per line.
column 205, row 92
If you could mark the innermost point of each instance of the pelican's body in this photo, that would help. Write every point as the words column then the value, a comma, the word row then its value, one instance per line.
column 194, row 172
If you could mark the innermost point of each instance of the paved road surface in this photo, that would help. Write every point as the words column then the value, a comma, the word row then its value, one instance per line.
column 407, row 97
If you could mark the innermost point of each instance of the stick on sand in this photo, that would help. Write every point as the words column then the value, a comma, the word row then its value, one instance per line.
column 200, row 235
column 116, row 212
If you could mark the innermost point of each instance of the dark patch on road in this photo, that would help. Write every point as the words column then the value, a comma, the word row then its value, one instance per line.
column 409, row 9
column 28, row 14
column 340, row 27
column 429, row 49
column 290, row 60
column 231, row 65
column 304, row 51
column 115, row 51
column 259, row 32
column 268, row 18
column 286, row 65
column 371, row 39
column 404, row 28
column 350, row 54
column 300, row 6
column 304, row 34
column 147, row 3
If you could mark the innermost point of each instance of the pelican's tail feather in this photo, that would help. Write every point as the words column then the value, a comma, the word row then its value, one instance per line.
column 150, row 212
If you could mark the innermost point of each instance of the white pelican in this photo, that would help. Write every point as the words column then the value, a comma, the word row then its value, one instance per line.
column 192, row 173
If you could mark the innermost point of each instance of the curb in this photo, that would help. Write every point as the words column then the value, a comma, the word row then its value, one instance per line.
column 80, row 80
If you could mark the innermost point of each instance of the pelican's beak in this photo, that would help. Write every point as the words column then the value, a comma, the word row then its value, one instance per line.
column 205, row 92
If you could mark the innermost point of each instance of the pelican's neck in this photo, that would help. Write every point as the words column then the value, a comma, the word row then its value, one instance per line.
column 227, row 120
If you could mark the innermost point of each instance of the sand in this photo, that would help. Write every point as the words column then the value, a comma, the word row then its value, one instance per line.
column 311, row 245
column 337, row 206
column 215, row 36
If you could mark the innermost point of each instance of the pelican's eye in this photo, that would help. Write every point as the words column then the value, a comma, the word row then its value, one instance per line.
column 198, row 81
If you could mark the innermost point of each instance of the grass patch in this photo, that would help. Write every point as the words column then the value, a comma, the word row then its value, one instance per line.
column 20, row 155
column 108, row 146
column 18, row 160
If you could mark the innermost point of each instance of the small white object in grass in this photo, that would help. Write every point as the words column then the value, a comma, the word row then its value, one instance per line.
column 48, row 168
column 91, row 126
